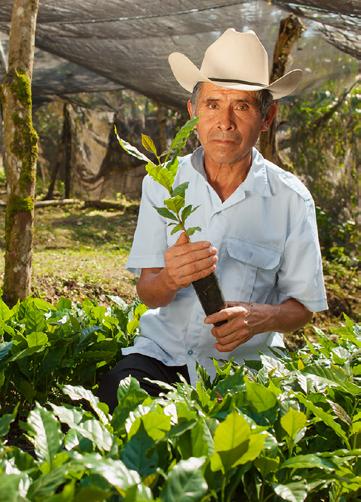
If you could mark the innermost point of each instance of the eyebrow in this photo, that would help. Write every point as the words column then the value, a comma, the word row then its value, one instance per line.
column 240, row 100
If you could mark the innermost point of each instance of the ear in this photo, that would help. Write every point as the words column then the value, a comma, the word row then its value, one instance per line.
column 190, row 108
column 271, row 114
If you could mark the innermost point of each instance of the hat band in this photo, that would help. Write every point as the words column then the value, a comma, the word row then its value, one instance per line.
column 231, row 80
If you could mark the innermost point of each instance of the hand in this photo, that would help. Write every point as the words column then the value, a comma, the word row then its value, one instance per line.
column 243, row 321
column 186, row 262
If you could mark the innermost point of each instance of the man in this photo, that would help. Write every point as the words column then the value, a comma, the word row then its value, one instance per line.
column 258, row 230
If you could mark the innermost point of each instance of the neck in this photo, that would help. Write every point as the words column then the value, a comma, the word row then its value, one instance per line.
column 225, row 178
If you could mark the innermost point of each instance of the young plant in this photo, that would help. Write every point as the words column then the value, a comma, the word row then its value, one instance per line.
column 164, row 171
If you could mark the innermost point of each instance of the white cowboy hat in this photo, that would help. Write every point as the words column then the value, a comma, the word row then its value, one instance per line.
column 234, row 61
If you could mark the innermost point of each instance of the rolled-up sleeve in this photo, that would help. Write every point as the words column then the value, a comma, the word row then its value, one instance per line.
column 300, row 275
column 150, row 238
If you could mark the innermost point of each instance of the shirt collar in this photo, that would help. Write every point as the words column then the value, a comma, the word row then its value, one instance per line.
column 256, row 180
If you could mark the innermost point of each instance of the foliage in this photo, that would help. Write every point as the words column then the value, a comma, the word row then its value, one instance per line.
column 42, row 346
column 164, row 173
column 324, row 148
column 288, row 430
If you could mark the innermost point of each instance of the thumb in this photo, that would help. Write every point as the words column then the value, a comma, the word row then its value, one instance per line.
column 182, row 239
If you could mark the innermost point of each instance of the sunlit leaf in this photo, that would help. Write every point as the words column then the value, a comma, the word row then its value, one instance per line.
column 44, row 432
column 182, row 136
column 130, row 149
column 149, row 145
column 292, row 492
column 293, row 422
column 185, row 482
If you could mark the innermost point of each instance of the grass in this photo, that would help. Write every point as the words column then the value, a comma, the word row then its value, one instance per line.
column 81, row 253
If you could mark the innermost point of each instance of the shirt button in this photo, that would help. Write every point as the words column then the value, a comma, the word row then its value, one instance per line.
column 190, row 352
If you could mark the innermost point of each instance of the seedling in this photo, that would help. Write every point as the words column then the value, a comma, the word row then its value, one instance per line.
column 164, row 171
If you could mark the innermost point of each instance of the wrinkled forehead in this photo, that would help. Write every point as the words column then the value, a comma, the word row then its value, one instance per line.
column 210, row 91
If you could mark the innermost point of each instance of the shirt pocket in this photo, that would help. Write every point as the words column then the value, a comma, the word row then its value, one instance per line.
column 250, row 271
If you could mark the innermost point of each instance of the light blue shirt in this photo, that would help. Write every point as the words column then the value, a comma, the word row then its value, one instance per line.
column 268, row 251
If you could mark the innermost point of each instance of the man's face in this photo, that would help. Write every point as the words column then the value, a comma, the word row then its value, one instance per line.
column 229, row 124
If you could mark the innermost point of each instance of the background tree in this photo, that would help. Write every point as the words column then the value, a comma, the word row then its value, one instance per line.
column 20, row 142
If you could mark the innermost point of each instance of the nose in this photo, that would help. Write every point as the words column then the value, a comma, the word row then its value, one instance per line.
column 225, row 119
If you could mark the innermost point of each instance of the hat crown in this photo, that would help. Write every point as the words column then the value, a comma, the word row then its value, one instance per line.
column 237, row 56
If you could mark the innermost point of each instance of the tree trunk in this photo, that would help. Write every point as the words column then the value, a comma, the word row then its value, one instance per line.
column 67, row 151
column 3, row 71
column 290, row 31
column 20, row 142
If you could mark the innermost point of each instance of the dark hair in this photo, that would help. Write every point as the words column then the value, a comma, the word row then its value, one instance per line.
column 264, row 98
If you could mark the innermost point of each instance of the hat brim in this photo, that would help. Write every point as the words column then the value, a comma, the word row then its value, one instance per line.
column 187, row 75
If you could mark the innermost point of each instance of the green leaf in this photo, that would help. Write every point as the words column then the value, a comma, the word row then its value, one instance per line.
column 5, row 312
column 267, row 465
column 129, row 395
column 231, row 432
column 78, row 393
column 13, row 487
column 149, row 145
column 202, row 440
column 180, row 189
column 161, row 175
column 172, row 166
column 175, row 203
column 192, row 230
column 156, row 424
column 176, row 229
column 259, row 397
column 185, row 482
column 44, row 432
column 6, row 420
column 333, row 376
column 36, row 339
column 180, row 139
column 231, row 441
column 96, row 433
column 130, row 149
column 138, row 454
column 292, row 492
column 114, row 471
column 324, row 417
column 293, row 422
column 187, row 211
column 255, row 446
column 163, row 211
column 310, row 461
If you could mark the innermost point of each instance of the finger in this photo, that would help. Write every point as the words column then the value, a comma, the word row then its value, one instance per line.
column 193, row 257
column 225, row 315
column 185, row 249
column 199, row 265
column 233, row 304
column 182, row 239
column 233, row 345
column 195, row 276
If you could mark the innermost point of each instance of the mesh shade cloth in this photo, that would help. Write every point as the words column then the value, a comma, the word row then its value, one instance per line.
column 92, row 45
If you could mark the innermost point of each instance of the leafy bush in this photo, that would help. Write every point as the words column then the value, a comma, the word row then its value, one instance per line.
column 286, row 428
column 42, row 345
column 323, row 147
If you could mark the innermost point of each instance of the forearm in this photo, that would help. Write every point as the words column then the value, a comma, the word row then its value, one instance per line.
column 287, row 316
column 154, row 288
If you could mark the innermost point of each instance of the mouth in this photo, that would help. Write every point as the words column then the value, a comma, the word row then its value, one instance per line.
column 225, row 141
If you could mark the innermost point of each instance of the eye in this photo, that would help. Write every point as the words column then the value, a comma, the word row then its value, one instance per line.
column 212, row 105
column 243, row 107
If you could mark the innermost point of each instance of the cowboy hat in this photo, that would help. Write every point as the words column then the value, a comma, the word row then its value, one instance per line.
column 234, row 61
